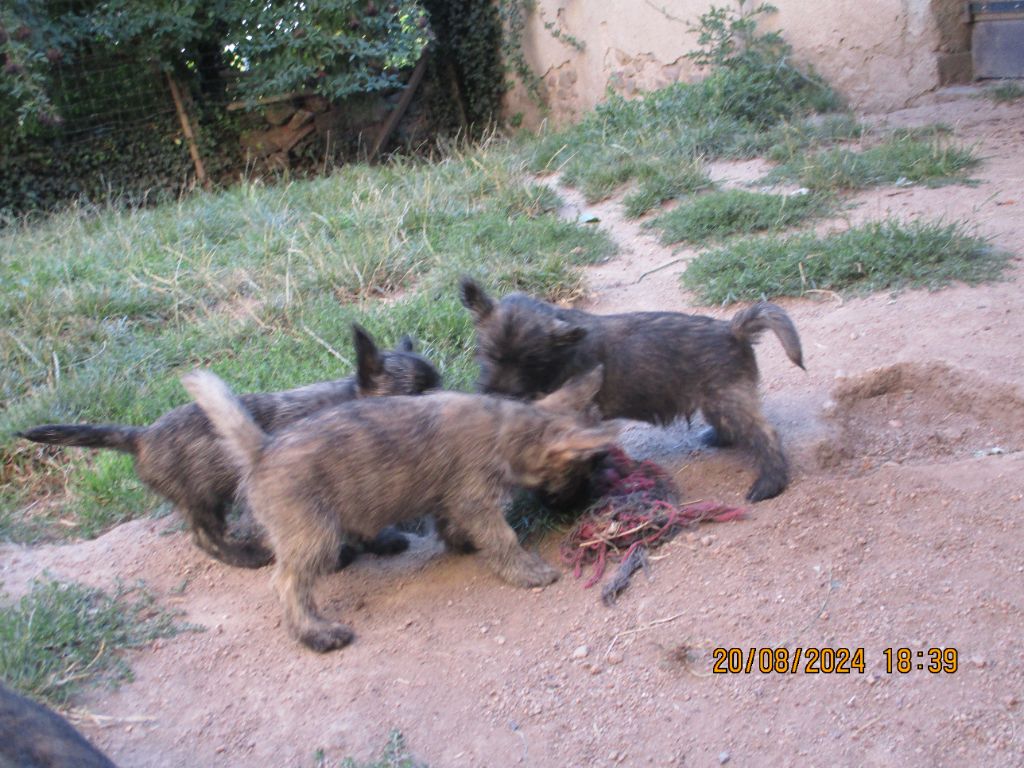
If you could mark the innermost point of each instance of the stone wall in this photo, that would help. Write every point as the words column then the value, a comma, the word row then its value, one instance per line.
column 879, row 54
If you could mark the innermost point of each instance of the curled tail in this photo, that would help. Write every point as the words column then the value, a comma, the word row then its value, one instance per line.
column 243, row 439
column 113, row 436
column 750, row 322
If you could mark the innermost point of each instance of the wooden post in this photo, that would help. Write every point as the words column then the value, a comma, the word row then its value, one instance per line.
column 403, row 104
column 186, row 127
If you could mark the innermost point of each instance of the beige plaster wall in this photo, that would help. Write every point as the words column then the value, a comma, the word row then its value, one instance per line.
column 878, row 53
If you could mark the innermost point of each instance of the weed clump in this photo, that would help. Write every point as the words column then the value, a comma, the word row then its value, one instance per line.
column 719, row 214
column 60, row 636
column 881, row 255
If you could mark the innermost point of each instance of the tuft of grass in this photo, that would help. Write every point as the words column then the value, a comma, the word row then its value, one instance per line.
column 102, row 310
column 716, row 215
column 394, row 755
column 61, row 636
column 1005, row 92
column 658, row 184
column 750, row 89
column 905, row 157
column 875, row 256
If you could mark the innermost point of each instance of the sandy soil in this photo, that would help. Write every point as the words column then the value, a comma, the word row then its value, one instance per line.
column 902, row 528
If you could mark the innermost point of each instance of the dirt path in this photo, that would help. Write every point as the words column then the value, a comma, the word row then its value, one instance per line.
column 903, row 527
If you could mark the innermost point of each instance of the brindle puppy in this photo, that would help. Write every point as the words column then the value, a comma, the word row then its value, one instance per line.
column 658, row 366
column 180, row 457
column 32, row 736
column 353, row 469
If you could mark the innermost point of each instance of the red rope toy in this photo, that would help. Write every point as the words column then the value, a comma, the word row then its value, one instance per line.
column 636, row 510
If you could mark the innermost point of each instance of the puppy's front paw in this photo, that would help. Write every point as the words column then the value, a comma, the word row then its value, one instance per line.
column 327, row 637
column 532, row 571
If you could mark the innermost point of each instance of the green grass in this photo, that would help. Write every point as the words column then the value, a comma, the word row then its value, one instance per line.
column 1005, row 92
column 734, row 112
column 876, row 256
column 905, row 157
column 60, row 637
column 394, row 755
column 718, row 214
column 101, row 311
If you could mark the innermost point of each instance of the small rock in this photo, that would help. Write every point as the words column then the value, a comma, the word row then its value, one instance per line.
column 723, row 758
column 1011, row 701
column 895, row 423
column 581, row 652
column 979, row 661
column 614, row 657
column 500, row 640
column 708, row 540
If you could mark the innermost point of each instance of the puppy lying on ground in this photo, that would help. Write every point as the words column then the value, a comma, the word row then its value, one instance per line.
column 179, row 456
column 348, row 472
column 658, row 366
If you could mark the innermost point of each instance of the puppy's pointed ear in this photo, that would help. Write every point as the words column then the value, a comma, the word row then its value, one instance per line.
column 577, row 445
column 576, row 394
column 474, row 299
column 565, row 334
column 406, row 344
column 369, row 363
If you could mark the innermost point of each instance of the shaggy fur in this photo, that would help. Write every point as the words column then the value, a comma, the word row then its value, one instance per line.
column 658, row 366
column 356, row 468
column 180, row 457
column 32, row 736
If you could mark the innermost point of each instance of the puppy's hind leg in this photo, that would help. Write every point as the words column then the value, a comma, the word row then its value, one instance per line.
column 209, row 532
column 484, row 523
column 736, row 416
column 302, row 555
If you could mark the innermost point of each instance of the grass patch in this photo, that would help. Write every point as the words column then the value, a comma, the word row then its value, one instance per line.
column 60, row 637
column 101, row 311
column 715, row 215
column 905, row 157
column 394, row 755
column 656, row 185
column 875, row 256
column 1005, row 92
column 750, row 91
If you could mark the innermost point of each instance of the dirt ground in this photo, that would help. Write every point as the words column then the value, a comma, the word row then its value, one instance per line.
column 903, row 527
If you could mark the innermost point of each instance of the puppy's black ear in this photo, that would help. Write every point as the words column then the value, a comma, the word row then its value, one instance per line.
column 406, row 344
column 564, row 334
column 474, row 299
column 369, row 363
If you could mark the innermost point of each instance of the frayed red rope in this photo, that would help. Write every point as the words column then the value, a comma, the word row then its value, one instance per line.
column 634, row 510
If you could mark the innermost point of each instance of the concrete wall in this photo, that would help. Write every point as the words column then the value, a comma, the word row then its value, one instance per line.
column 878, row 54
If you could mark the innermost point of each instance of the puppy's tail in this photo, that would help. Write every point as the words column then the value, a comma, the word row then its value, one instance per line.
column 243, row 439
column 113, row 436
column 748, row 324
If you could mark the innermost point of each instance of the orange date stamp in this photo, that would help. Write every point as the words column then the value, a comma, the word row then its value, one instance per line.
column 829, row 661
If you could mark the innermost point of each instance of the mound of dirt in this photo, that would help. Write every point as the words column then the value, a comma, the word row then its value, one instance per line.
column 917, row 412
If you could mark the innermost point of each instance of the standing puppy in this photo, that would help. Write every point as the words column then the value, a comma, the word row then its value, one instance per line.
column 180, row 457
column 658, row 366
column 351, row 470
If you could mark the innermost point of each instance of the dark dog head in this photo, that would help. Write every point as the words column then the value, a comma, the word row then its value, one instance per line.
column 397, row 372
column 523, row 347
column 557, row 459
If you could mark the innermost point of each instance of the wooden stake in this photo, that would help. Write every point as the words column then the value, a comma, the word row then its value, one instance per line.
column 186, row 127
column 403, row 104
